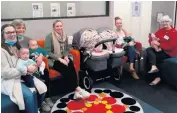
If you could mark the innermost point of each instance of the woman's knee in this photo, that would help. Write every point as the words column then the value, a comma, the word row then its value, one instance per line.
column 41, row 87
column 27, row 93
column 149, row 49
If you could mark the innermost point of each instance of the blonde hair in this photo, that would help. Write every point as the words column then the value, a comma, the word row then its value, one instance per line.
column 18, row 22
column 166, row 18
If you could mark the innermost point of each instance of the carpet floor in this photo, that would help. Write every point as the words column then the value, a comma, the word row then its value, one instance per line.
column 162, row 97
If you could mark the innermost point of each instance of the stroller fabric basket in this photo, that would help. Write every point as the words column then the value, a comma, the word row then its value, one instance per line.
column 115, row 59
column 97, row 62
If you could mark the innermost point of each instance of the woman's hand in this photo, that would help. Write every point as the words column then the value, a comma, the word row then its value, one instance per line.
column 32, row 68
column 132, row 43
column 128, row 34
column 155, row 43
column 25, row 72
column 63, row 61
column 67, row 59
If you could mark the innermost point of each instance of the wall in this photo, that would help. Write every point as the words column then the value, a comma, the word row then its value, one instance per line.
column 37, row 29
column 25, row 9
column 138, row 26
column 161, row 6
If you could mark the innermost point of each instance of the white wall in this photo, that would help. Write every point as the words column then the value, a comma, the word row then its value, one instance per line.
column 138, row 26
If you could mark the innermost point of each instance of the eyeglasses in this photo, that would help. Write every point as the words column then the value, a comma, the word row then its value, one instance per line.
column 164, row 22
column 10, row 32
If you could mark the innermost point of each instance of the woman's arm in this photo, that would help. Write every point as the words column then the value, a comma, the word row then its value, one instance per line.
column 48, row 47
column 8, row 72
column 67, row 48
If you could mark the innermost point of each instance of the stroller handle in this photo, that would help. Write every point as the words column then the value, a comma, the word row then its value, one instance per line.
column 104, row 41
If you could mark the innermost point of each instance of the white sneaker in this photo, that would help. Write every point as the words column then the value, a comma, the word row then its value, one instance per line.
column 45, row 107
column 77, row 95
column 84, row 93
column 49, row 102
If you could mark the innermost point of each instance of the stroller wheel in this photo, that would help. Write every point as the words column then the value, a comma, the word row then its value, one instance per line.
column 86, row 81
column 117, row 73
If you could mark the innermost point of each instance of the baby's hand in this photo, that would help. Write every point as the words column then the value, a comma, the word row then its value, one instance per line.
column 38, row 63
column 32, row 68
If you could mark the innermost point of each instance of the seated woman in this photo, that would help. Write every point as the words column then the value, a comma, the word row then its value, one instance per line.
column 11, row 84
column 167, row 42
column 130, row 51
column 23, row 40
column 56, row 43
column 20, row 28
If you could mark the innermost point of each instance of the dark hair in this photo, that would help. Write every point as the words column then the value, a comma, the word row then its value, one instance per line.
column 117, row 18
column 3, row 44
column 56, row 22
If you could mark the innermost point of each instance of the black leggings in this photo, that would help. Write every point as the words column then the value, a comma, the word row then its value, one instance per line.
column 155, row 58
column 68, row 72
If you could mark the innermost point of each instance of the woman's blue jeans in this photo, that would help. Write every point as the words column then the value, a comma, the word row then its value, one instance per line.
column 131, row 54
column 30, row 99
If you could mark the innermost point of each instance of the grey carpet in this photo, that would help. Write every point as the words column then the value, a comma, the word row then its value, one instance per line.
column 162, row 97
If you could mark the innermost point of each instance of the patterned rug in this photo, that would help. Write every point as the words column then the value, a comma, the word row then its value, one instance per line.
column 101, row 101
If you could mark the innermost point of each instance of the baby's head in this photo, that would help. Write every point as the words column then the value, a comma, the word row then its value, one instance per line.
column 24, row 53
column 33, row 44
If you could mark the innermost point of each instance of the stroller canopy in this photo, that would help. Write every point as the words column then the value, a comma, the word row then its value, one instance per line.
column 89, row 38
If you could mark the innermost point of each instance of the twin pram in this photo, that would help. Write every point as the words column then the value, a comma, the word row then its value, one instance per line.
column 99, row 57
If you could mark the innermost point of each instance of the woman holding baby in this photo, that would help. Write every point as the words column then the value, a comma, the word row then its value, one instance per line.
column 26, row 42
column 11, row 84
column 163, row 45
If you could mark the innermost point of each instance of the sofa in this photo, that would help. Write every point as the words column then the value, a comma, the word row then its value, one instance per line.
column 169, row 73
column 7, row 106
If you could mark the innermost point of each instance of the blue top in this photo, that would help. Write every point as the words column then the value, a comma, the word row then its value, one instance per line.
column 39, row 51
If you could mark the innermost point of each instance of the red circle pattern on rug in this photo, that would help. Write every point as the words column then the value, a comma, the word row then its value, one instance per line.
column 96, row 108
column 99, row 108
column 77, row 112
column 118, row 108
column 76, row 105
column 109, row 100
column 92, row 98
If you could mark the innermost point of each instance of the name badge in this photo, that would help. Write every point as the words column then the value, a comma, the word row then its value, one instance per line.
column 166, row 37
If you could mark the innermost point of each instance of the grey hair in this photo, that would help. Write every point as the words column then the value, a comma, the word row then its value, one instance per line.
column 166, row 18
column 18, row 22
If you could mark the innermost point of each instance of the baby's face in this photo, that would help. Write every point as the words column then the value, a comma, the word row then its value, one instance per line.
column 24, row 54
column 33, row 45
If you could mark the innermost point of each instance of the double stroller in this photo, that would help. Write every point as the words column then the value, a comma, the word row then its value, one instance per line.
column 99, row 57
